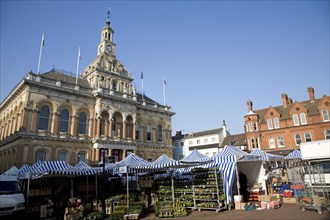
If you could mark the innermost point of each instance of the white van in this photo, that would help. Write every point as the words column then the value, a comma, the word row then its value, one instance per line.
column 317, row 154
column 12, row 201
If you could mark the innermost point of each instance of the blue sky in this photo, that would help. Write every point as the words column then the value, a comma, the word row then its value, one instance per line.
column 214, row 55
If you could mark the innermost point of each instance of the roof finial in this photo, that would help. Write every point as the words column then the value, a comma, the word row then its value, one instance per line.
column 108, row 18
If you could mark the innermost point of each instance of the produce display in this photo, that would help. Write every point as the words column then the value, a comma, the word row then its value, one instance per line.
column 199, row 189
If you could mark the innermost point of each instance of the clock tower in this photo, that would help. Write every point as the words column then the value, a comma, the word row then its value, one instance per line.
column 106, row 45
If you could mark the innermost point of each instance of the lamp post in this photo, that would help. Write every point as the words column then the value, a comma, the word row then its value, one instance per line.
column 103, row 180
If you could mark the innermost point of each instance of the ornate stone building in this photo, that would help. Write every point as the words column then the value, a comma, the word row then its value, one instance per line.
column 56, row 116
column 281, row 129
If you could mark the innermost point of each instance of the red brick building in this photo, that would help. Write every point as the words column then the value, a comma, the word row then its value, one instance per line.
column 282, row 128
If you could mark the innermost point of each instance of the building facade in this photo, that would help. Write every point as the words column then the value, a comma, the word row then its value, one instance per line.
column 57, row 116
column 207, row 142
column 281, row 129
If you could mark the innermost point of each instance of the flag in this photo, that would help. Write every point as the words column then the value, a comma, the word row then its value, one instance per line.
column 141, row 75
column 164, row 81
column 43, row 39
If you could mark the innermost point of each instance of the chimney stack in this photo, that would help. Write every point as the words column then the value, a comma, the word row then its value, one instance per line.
column 250, row 104
column 285, row 99
column 224, row 128
column 311, row 94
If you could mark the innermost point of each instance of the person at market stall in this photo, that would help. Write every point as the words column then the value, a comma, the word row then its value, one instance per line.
column 243, row 183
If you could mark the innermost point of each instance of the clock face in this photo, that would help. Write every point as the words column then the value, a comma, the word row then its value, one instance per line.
column 109, row 48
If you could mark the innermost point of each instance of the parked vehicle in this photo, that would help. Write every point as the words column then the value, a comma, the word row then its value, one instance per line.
column 317, row 155
column 12, row 201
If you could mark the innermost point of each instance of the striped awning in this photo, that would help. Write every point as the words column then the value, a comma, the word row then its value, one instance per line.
column 265, row 156
column 296, row 154
column 194, row 156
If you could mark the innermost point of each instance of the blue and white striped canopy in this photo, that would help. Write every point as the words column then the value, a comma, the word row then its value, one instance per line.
column 132, row 161
column 60, row 168
column 265, row 156
column 296, row 154
column 194, row 156
column 238, row 153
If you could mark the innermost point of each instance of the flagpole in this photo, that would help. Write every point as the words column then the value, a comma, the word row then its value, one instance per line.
column 142, row 85
column 78, row 66
column 164, row 83
column 41, row 46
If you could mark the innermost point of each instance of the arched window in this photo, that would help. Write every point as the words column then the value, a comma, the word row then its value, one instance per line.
column 81, row 156
column 303, row 118
column 325, row 115
column 64, row 120
column 276, row 123
column 270, row 123
column 308, row 137
column 280, row 141
column 44, row 118
column 149, row 132
column 114, row 85
column 271, row 142
column 82, row 123
column 62, row 155
column 40, row 155
column 327, row 134
column 160, row 133
column 298, row 139
column 137, row 131
column 295, row 120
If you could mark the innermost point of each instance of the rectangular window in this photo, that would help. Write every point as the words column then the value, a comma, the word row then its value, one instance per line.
column 198, row 141
column 303, row 118
column 181, row 144
column 41, row 155
column 280, row 141
column 255, row 126
column 325, row 115
column 295, row 120
column 270, row 123
column 190, row 142
column 213, row 139
column 205, row 141
column 276, row 123
column 250, row 126
column 271, row 142
column 149, row 130
column 257, row 142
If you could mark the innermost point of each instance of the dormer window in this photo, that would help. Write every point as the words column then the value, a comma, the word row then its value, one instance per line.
column 303, row 118
column 276, row 123
column 270, row 123
column 295, row 120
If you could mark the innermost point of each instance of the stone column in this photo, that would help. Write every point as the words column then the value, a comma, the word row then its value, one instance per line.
column 124, row 154
column 134, row 133
column 110, row 129
column 24, row 118
column 13, row 127
column 34, row 120
column 18, row 122
column 124, row 129
column 106, row 128
column 54, row 123
column 74, row 125
column 9, row 127
column 90, row 127
column 98, row 124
